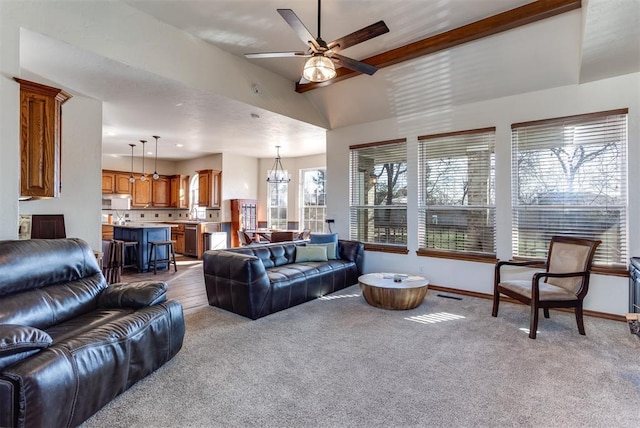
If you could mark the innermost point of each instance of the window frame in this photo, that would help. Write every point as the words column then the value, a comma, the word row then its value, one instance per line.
column 358, row 177
column 280, row 223
column 590, row 119
column 317, row 226
column 453, row 142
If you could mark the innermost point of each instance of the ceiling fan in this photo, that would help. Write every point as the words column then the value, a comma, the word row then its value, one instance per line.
column 322, row 55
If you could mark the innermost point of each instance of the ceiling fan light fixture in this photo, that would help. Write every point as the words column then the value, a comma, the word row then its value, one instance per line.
column 319, row 68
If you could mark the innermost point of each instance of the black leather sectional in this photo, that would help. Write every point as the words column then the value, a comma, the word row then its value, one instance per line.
column 256, row 281
column 70, row 343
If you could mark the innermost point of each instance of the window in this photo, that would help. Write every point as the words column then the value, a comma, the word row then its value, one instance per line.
column 569, row 178
column 312, row 199
column 195, row 211
column 277, row 204
column 378, row 184
column 456, row 184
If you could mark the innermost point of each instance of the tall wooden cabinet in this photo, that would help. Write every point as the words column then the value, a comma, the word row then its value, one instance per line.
column 209, row 188
column 179, row 191
column 244, row 216
column 141, row 194
column 40, row 139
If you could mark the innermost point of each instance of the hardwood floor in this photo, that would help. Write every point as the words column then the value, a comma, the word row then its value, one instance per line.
column 186, row 285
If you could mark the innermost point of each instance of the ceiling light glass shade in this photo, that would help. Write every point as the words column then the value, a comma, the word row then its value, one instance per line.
column 319, row 69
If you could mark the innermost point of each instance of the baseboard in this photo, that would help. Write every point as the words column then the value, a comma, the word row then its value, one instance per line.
column 479, row 295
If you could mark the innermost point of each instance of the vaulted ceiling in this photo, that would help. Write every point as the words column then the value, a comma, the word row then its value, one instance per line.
column 589, row 41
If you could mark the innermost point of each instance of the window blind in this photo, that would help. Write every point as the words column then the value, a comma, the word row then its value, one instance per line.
column 456, row 185
column 570, row 178
column 378, row 192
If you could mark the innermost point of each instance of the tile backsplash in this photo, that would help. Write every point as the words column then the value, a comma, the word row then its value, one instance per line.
column 156, row 215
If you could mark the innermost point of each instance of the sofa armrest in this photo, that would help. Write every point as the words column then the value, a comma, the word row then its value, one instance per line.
column 133, row 295
column 20, row 341
column 352, row 251
column 236, row 282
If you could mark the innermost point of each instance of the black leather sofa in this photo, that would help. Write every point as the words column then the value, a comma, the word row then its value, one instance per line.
column 256, row 281
column 70, row 343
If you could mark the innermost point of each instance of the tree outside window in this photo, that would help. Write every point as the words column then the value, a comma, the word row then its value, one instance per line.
column 378, row 175
column 569, row 178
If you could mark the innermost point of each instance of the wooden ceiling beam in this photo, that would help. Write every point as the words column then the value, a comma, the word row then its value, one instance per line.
column 523, row 15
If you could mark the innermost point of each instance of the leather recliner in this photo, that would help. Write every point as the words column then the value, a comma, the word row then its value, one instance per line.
column 70, row 343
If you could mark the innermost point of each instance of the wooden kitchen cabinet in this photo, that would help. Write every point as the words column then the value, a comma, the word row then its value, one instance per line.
column 209, row 188
column 108, row 182
column 107, row 231
column 121, row 183
column 141, row 194
column 40, row 139
column 177, row 234
column 115, row 182
column 179, row 191
column 161, row 192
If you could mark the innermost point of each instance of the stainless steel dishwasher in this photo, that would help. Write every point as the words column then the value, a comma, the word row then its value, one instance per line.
column 191, row 240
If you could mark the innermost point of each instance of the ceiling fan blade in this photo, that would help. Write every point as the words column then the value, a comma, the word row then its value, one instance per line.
column 352, row 64
column 362, row 35
column 297, row 25
column 276, row 54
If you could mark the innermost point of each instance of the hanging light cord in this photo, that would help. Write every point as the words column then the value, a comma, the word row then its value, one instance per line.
column 143, row 176
column 155, row 168
column 131, row 177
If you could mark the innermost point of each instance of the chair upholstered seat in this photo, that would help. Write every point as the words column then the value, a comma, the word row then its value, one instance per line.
column 546, row 291
column 563, row 284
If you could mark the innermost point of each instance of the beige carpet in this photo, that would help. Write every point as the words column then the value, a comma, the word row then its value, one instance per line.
column 338, row 362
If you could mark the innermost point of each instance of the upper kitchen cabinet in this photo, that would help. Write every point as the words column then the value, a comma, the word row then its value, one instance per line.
column 209, row 187
column 115, row 182
column 180, row 191
column 161, row 192
column 141, row 194
column 40, row 139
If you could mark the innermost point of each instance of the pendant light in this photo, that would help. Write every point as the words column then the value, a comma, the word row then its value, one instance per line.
column 277, row 173
column 155, row 169
column 131, row 177
column 143, row 176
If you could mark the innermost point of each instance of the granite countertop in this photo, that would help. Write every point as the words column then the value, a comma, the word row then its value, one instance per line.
column 133, row 225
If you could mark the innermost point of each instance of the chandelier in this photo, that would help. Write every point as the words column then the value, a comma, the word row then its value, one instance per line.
column 277, row 174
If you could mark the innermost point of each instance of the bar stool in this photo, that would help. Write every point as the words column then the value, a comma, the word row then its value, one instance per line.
column 153, row 255
column 129, row 254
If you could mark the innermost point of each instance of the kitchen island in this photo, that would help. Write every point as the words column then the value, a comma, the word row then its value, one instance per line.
column 143, row 233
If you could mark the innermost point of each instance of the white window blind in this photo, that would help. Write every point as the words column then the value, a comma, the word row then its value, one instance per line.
column 313, row 207
column 570, row 178
column 456, row 185
column 378, row 192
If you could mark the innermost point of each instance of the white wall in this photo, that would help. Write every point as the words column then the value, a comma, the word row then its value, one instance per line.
column 80, row 199
column 239, row 180
column 608, row 294
column 123, row 163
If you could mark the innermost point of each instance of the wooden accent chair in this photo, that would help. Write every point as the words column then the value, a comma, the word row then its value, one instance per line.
column 563, row 284
column 244, row 238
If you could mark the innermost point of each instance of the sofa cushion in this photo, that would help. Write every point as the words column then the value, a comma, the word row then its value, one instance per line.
column 317, row 253
column 323, row 238
column 332, row 249
column 133, row 295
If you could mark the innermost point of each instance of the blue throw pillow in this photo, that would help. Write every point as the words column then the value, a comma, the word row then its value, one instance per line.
column 311, row 254
column 324, row 238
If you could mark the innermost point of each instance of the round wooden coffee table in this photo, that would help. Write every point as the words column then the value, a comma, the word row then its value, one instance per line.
column 380, row 290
